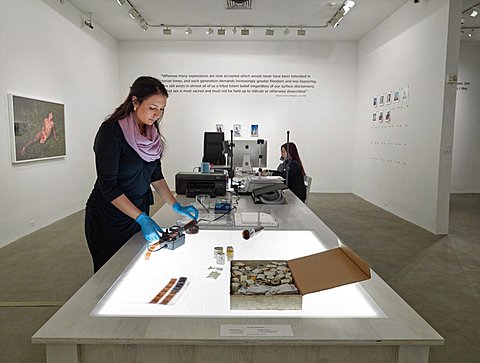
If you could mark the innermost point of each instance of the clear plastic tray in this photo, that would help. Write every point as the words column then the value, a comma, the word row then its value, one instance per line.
column 209, row 219
column 253, row 219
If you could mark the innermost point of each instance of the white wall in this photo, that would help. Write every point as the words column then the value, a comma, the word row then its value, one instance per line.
column 466, row 144
column 321, row 124
column 47, row 55
column 404, row 166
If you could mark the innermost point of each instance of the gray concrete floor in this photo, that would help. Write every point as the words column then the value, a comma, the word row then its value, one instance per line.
column 439, row 276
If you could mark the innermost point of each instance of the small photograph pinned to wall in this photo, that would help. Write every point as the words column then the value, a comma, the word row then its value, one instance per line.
column 396, row 95
column 381, row 101
column 37, row 129
column 375, row 101
column 237, row 130
column 387, row 116
column 254, row 130
column 405, row 93
column 220, row 127
column 374, row 117
column 380, row 116
column 388, row 98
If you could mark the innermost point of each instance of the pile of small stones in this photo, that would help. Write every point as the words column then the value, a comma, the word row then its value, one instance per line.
column 273, row 273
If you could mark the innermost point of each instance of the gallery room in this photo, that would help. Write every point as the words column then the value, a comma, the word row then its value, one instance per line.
column 371, row 104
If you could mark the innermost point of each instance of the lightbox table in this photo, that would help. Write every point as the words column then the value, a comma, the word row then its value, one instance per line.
column 110, row 319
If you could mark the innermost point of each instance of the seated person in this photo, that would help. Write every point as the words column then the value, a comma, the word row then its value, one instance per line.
column 295, row 171
column 48, row 127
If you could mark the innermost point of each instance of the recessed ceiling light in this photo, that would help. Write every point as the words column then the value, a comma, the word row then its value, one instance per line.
column 221, row 31
column 269, row 31
column 188, row 31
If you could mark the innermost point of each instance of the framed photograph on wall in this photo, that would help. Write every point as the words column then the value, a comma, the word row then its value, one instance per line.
column 375, row 101
column 220, row 127
column 380, row 116
column 396, row 95
column 389, row 98
column 374, row 117
column 387, row 116
column 237, row 130
column 381, row 101
column 37, row 129
column 254, row 130
column 405, row 93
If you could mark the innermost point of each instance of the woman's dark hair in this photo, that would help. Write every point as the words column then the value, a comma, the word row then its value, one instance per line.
column 142, row 88
column 293, row 152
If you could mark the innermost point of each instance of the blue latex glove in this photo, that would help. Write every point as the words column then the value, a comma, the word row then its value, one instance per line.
column 151, row 231
column 189, row 210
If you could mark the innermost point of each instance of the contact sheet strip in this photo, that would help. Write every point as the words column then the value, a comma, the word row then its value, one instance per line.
column 173, row 287
column 162, row 293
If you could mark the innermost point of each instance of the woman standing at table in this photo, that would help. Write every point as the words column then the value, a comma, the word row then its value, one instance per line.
column 128, row 148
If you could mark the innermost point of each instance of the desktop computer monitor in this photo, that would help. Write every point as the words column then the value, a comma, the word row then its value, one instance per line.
column 250, row 153
column 213, row 148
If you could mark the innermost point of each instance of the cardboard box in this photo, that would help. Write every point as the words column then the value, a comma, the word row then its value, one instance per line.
column 321, row 271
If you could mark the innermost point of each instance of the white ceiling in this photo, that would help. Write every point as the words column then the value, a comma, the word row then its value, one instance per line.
column 358, row 22
column 280, row 13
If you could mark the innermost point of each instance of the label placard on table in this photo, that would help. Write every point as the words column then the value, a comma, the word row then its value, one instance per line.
column 271, row 330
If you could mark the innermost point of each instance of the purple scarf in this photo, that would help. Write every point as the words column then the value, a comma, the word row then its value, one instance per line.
column 148, row 147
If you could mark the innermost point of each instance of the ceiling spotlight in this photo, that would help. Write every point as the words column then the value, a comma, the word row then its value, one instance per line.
column 336, row 19
column 88, row 22
column 347, row 6
column 234, row 30
column 462, row 20
column 133, row 13
column 245, row 31
column 269, row 31
column 121, row 2
column 470, row 33
column 301, row 32
column 221, row 31
column 188, row 31
column 286, row 31
column 167, row 31
column 144, row 26
column 209, row 31
column 474, row 13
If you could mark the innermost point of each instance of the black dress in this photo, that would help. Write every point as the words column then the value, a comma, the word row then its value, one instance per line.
column 120, row 170
column 296, row 182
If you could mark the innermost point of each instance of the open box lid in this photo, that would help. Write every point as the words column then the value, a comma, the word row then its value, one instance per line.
column 328, row 269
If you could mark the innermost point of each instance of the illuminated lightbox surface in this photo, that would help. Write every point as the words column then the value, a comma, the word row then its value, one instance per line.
column 203, row 297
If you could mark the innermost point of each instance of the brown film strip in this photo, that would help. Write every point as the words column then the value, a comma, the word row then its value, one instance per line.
column 167, row 287
column 178, row 286
column 151, row 249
